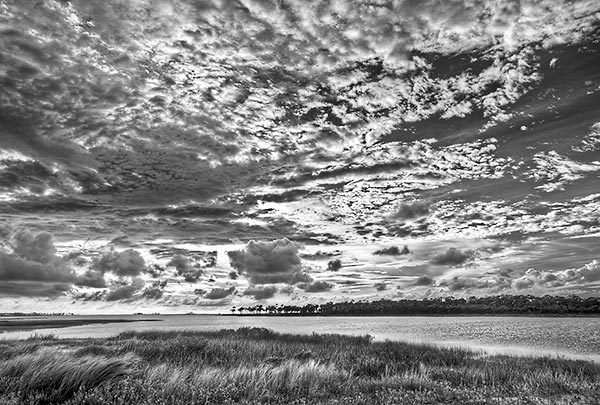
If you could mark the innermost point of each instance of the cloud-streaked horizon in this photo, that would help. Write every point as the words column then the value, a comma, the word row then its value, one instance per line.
column 211, row 153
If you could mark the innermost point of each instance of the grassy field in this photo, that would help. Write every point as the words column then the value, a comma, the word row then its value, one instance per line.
column 252, row 366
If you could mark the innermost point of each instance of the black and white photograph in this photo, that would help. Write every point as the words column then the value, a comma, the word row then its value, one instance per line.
column 304, row 202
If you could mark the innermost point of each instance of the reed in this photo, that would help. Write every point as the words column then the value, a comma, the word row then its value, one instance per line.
column 255, row 366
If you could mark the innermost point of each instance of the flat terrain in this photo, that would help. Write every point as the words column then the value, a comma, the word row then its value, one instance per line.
column 255, row 366
column 18, row 324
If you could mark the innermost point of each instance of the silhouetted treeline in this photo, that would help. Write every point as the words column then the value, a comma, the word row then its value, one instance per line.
column 493, row 305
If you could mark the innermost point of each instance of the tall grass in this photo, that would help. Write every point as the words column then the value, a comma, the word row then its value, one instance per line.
column 254, row 366
column 57, row 376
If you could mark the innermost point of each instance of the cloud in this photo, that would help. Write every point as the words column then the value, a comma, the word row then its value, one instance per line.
column 334, row 265
column 269, row 262
column 33, row 288
column 219, row 293
column 38, row 248
column 91, row 278
column 411, row 210
column 452, row 256
column 316, row 286
column 424, row 281
column 588, row 273
column 522, row 283
column 392, row 251
column 185, row 268
column 121, row 293
column 261, row 293
column 125, row 263
column 381, row 286
column 192, row 276
column 34, row 261
column 13, row 267
column 155, row 291
column 465, row 283
column 181, row 263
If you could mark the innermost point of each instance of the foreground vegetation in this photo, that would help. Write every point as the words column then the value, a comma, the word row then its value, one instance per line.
column 506, row 304
column 254, row 365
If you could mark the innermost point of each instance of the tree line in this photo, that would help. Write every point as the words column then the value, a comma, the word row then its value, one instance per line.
column 493, row 305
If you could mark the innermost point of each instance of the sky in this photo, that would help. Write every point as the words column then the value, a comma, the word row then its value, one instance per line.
column 193, row 155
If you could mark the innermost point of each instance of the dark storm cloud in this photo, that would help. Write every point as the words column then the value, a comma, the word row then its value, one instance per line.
column 269, row 262
column 261, row 293
column 124, row 263
column 219, row 293
column 316, row 286
column 452, row 257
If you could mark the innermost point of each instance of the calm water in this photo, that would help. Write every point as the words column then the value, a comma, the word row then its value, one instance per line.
column 569, row 337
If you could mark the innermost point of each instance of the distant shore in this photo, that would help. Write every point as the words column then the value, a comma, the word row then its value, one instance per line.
column 56, row 321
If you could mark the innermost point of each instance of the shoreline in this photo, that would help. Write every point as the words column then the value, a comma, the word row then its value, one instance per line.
column 256, row 365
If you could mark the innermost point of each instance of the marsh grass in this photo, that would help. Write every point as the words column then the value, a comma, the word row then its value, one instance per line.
column 254, row 365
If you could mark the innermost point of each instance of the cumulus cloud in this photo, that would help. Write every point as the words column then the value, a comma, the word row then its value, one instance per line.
column 91, row 278
column 411, row 210
column 587, row 273
column 125, row 291
column 186, row 268
column 34, row 261
column 269, row 262
column 121, row 292
column 424, row 281
column 316, row 286
column 452, row 257
column 381, row 286
column 155, row 291
column 124, row 263
column 392, row 251
column 13, row 267
column 38, row 248
column 219, row 293
column 261, row 293
column 334, row 265
column 465, row 283
column 5, row 231
column 181, row 263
